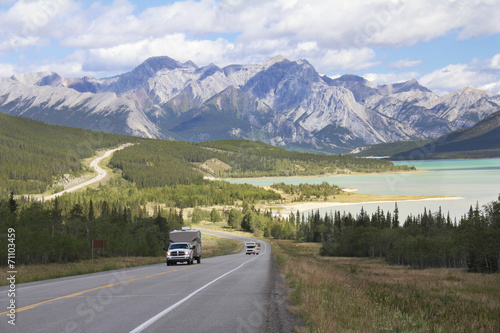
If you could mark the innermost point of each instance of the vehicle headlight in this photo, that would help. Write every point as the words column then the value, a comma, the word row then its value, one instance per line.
column 186, row 252
column 168, row 253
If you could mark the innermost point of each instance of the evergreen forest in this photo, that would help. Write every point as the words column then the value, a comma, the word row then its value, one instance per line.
column 170, row 176
column 33, row 154
column 61, row 230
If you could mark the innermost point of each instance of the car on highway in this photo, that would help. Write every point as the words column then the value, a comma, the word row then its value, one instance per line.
column 252, row 248
column 179, row 252
column 185, row 246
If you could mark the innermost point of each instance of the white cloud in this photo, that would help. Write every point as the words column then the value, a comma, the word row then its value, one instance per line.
column 36, row 18
column 346, row 60
column 333, row 35
column 405, row 63
column 6, row 70
column 478, row 74
column 493, row 87
column 494, row 63
column 113, row 60
column 458, row 76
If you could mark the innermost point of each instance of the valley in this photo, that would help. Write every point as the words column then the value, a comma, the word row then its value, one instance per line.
column 144, row 188
column 249, row 166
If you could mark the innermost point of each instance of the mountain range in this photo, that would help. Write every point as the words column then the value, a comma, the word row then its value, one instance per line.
column 282, row 102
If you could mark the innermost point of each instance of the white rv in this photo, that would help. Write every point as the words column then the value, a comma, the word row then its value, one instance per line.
column 185, row 246
column 252, row 247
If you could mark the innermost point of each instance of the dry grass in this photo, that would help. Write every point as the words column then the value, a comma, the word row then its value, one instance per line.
column 367, row 295
column 216, row 246
column 29, row 273
column 212, row 246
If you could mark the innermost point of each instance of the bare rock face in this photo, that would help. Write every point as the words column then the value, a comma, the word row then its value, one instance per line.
column 281, row 102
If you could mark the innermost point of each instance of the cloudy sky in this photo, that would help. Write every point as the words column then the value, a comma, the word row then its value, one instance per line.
column 445, row 44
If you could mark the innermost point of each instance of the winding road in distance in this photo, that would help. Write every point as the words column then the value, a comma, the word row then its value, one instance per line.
column 101, row 173
column 233, row 293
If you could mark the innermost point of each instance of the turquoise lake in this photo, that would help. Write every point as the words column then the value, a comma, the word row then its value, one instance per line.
column 473, row 181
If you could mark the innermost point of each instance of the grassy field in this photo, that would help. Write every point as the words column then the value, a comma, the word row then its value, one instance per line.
column 367, row 295
column 212, row 246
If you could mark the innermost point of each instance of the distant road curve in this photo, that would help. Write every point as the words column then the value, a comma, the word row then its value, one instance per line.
column 101, row 173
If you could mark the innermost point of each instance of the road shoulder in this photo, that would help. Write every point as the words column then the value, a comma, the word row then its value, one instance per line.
column 279, row 318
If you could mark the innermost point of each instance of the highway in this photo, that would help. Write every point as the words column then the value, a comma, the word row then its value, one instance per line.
column 231, row 293
column 101, row 173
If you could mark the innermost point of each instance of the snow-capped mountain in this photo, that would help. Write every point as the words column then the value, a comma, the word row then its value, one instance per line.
column 282, row 102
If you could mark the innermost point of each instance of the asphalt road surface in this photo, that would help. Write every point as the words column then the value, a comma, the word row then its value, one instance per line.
column 231, row 293
column 101, row 173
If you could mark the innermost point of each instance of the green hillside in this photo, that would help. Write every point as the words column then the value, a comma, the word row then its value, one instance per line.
column 480, row 141
column 33, row 153
column 156, row 163
column 252, row 158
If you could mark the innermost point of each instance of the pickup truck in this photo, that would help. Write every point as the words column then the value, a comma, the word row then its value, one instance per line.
column 179, row 252
column 185, row 246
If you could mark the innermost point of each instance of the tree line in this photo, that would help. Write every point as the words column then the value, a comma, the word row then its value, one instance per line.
column 423, row 241
column 49, row 232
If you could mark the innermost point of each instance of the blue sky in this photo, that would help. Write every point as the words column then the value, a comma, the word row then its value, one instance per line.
column 445, row 44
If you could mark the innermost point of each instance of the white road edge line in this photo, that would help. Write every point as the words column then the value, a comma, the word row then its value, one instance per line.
column 147, row 323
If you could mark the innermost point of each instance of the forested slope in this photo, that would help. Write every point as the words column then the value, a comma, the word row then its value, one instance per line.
column 159, row 162
column 253, row 158
column 32, row 153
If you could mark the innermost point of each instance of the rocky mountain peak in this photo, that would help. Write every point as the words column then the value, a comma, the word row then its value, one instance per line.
column 275, row 60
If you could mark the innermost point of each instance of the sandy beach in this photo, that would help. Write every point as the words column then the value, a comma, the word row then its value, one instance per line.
column 306, row 206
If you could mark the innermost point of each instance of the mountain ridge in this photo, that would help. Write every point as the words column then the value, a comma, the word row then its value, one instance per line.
column 281, row 102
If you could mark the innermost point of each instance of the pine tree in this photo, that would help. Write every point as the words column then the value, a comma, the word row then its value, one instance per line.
column 395, row 217
column 12, row 203
column 91, row 211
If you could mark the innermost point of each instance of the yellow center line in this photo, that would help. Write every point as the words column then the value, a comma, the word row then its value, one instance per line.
column 28, row 307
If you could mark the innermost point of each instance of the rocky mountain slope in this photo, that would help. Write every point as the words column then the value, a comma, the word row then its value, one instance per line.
column 282, row 102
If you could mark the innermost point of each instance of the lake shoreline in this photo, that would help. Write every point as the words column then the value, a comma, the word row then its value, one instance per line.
column 288, row 208
column 351, row 174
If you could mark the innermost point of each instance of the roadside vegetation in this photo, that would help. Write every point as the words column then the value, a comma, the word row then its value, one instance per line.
column 338, row 294
column 212, row 246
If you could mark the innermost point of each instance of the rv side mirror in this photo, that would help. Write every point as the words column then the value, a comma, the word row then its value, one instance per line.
column 193, row 247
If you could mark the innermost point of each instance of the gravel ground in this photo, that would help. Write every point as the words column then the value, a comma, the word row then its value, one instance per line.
column 279, row 318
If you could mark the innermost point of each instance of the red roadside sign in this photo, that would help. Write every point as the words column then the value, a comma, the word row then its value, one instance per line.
column 98, row 244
